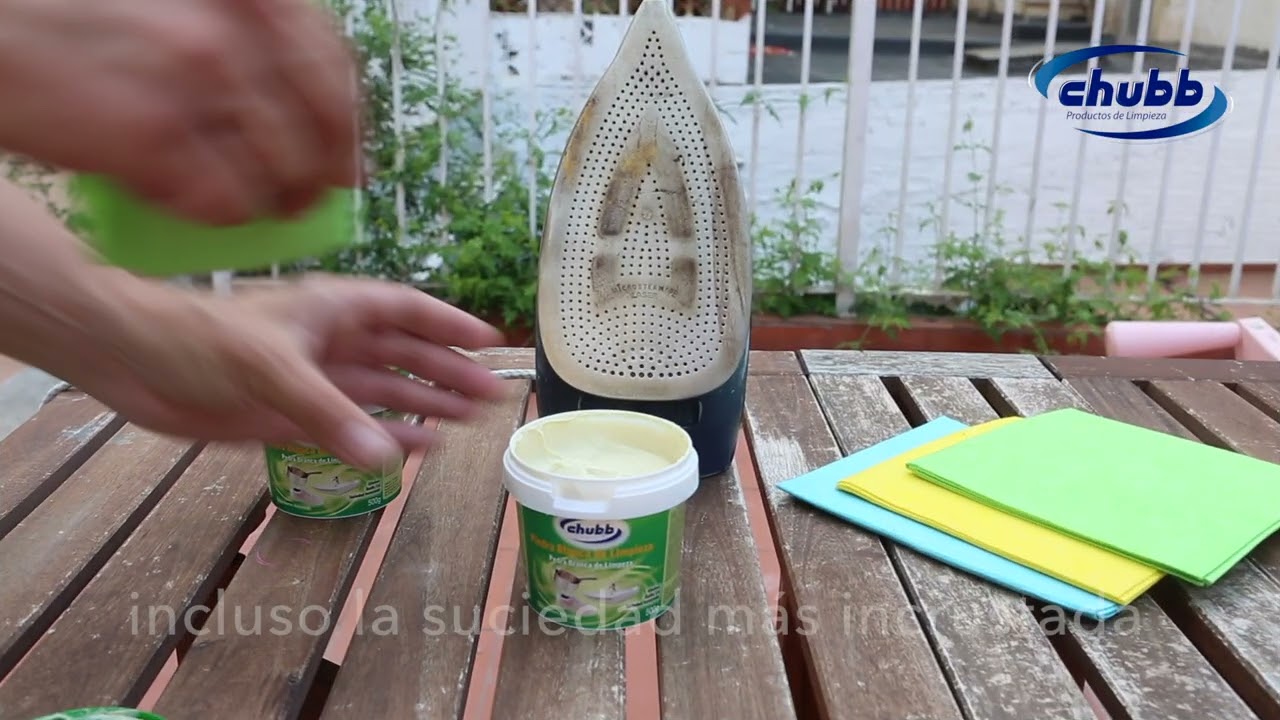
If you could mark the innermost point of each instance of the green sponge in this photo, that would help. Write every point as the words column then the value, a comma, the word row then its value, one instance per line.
column 136, row 235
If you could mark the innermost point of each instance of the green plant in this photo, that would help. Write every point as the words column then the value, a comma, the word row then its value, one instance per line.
column 883, row 299
column 36, row 178
column 465, row 239
column 474, row 243
column 490, row 257
column 788, row 265
column 1006, row 288
column 981, row 275
column 45, row 184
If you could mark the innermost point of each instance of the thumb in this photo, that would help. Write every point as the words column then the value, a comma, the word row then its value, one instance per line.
column 305, row 395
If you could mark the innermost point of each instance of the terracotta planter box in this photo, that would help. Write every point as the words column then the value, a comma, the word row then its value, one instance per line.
column 516, row 336
column 925, row 334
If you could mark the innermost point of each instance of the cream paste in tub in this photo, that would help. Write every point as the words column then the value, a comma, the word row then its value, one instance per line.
column 601, row 497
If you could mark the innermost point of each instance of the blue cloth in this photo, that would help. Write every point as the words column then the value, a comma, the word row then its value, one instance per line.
column 818, row 488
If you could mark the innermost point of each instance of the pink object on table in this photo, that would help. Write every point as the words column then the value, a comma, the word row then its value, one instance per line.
column 1258, row 340
column 1249, row 338
column 1162, row 339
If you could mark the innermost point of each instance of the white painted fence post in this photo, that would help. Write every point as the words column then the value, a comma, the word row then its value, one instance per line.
column 222, row 282
column 397, row 110
column 861, row 46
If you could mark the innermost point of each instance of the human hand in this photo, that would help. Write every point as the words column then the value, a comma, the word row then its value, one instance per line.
column 220, row 110
column 289, row 363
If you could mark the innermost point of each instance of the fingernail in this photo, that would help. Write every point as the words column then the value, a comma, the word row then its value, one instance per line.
column 371, row 449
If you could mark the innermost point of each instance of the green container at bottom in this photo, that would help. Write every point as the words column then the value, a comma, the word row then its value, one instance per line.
column 101, row 713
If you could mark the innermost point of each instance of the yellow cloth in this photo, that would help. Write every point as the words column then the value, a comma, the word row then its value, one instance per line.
column 892, row 486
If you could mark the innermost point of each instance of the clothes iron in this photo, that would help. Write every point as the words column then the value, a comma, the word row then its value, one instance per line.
column 644, row 279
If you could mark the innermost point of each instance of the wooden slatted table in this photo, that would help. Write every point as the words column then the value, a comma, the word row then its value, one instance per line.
column 146, row 571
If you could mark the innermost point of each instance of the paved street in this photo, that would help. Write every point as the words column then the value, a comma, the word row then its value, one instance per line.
column 784, row 33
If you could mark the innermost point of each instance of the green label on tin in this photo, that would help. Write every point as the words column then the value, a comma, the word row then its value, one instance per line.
column 602, row 574
column 101, row 713
column 310, row 482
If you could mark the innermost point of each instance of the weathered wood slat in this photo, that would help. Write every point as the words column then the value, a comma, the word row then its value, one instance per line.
column 264, row 638
column 1082, row 366
column 1264, row 396
column 502, row 358
column 891, row 363
column 773, row 362
column 1029, row 396
column 1122, row 400
column 42, row 452
column 1234, row 622
column 1139, row 662
column 580, row 674
column 1222, row 418
column 1000, row 662
column 865, row 652
column 133, row 610
column 718, row 651
column 434, row 579
column 550, row 672
column 58, row 548
column 1143, row 667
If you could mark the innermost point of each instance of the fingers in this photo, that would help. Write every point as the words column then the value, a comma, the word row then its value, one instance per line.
column 299, row 391
column 271, row 112
column 207, row 177
column 401, row 307
column 278, row 143
column 385, row 388
column 410, row 437
column 313, row 66
column 442, row 365
column 277, row 91
column 266, row 426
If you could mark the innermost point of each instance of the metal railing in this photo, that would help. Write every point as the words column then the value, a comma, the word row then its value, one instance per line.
column 1197, row 203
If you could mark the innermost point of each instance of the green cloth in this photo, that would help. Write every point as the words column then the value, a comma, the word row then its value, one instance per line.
column 148, row 240
column 1190, row 509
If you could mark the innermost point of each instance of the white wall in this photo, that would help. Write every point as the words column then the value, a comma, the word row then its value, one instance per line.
column 556, row 60
column 1212, row 25
column 557, row 34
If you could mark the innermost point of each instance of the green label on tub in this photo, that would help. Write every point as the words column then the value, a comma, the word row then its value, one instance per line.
column 310, row 482
column 101, row 713
column 599, row 574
